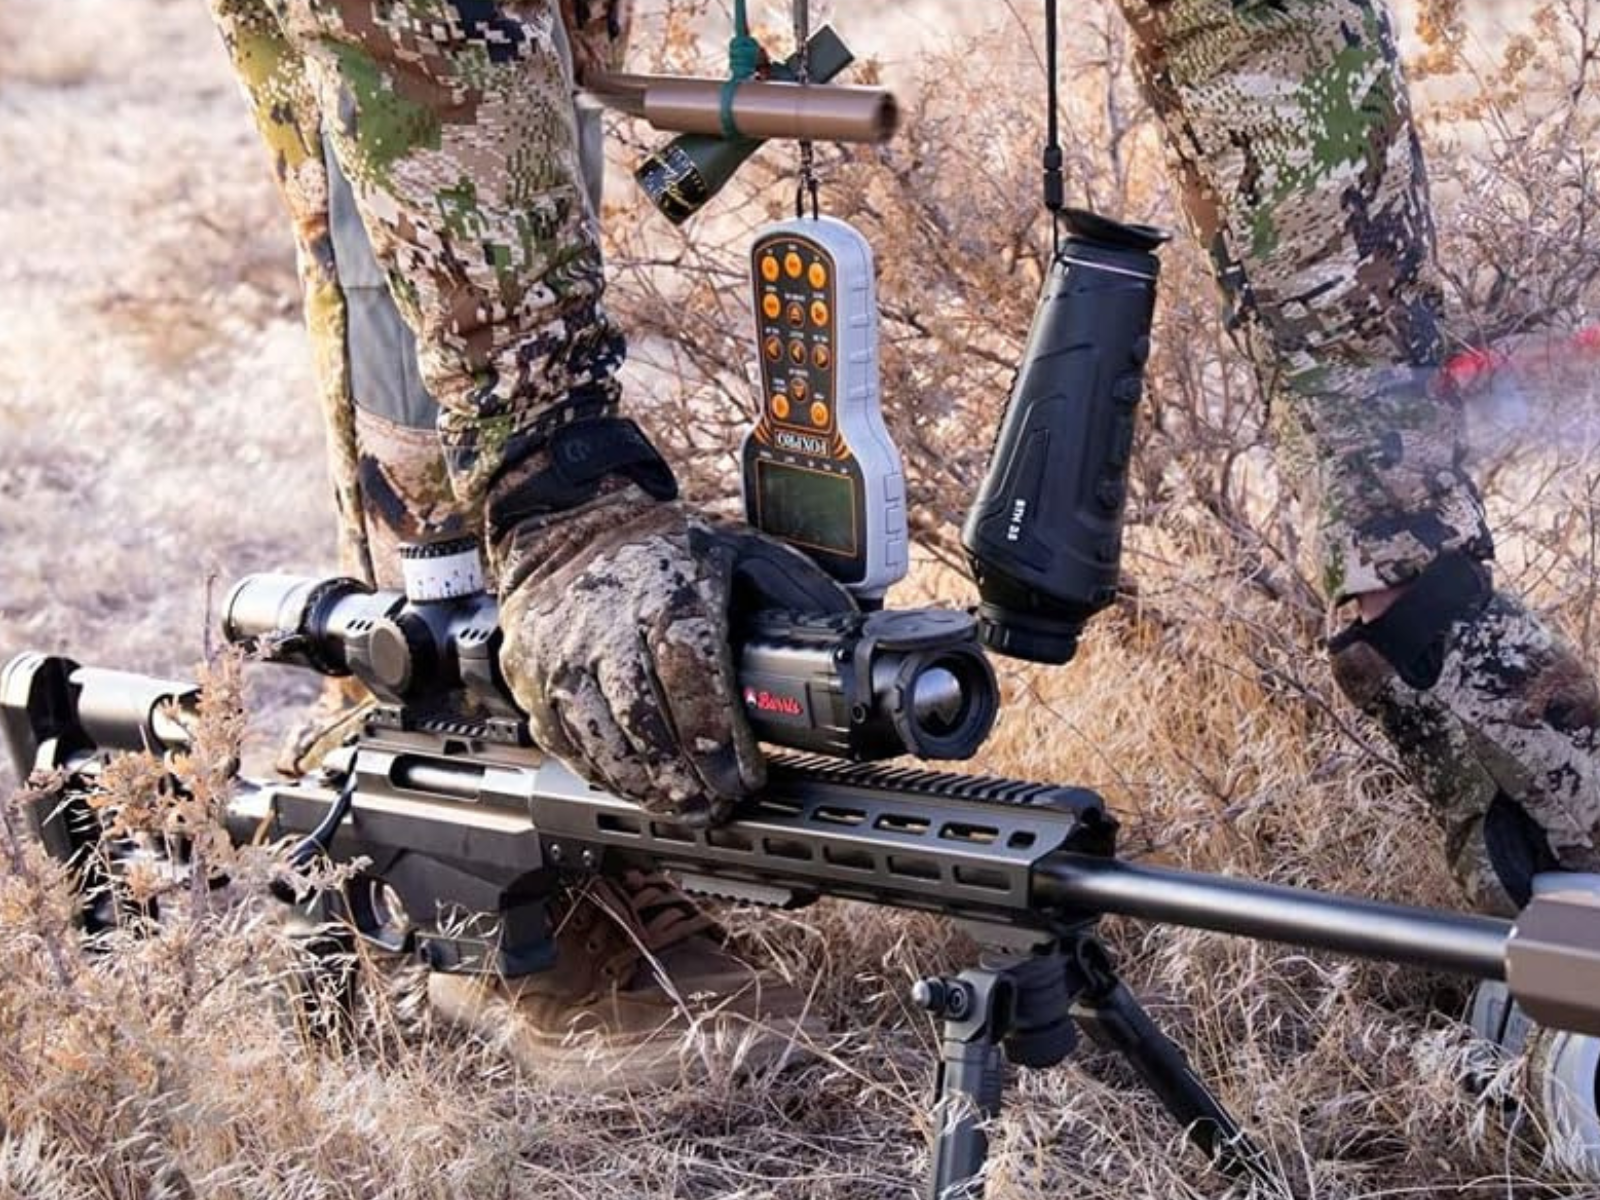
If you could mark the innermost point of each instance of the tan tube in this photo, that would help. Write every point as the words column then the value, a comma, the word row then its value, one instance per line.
column 812, row 112
column 1553, row 961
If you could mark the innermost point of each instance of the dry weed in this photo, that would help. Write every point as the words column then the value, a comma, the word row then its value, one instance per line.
column 165, row 1061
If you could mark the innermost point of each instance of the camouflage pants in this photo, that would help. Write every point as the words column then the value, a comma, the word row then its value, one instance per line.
column 1289, row 129
column 447, row 142
column 1298, row 167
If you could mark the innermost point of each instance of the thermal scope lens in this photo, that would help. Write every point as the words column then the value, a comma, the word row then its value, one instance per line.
column 938, row 701
column 948, row 704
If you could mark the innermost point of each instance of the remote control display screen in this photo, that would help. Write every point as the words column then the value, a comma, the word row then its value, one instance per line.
column 808, row 508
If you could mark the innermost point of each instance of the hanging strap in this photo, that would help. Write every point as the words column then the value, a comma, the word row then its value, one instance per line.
column 744, row 58
column 1055, row 189
column 808, row 175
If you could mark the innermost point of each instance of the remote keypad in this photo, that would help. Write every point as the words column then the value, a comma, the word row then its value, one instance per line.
column 820, row 470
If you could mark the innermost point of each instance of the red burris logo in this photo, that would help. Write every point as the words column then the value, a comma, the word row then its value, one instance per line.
column 772, row 702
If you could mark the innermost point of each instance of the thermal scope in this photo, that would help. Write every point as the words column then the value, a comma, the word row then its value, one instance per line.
column 1044, row 536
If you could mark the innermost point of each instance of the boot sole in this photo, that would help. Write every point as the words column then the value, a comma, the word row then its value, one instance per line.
column 718, row 1044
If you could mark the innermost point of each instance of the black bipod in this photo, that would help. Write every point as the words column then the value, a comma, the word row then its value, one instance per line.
column 1021, row 1008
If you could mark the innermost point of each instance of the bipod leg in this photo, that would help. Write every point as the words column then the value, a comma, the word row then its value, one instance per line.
column 971, row 1080
column 1011, row 1007
column 1108, row 1013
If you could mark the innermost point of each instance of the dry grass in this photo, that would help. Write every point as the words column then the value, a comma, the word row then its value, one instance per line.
column 153, row 384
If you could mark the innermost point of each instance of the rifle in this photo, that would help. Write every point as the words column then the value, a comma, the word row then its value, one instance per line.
column 472, row 830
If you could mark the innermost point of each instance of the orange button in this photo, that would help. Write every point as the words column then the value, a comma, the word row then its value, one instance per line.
column 818, row 275
column 797, row 352
column 819, row 313
column 771, row 306
column 819, row 413
column 796, row 314
column 820, row 358
column 793, row 265
column 769, row 267
column 798, row 387
column 773, row 347
column 780, row 406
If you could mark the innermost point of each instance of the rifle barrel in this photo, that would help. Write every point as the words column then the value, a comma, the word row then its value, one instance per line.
column 1447, row 941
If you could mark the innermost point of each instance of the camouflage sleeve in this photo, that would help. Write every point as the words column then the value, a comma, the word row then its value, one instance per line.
column 1300, row 170
column 454, row 121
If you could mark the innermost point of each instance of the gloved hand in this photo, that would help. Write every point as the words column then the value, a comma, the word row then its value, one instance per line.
column 616, row 643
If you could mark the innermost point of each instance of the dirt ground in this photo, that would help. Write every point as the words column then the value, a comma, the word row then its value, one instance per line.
column 157, row 423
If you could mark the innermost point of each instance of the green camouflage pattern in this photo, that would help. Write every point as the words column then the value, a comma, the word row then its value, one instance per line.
column 1298, row 166
column 1515, row 713
column 454, row 123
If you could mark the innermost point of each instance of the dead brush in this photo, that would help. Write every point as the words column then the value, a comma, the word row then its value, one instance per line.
column 144, row 1061
column 169, row 1061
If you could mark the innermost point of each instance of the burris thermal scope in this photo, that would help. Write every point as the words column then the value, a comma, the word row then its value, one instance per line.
column 1044, row 536
column 868, row 686
column 853, row 685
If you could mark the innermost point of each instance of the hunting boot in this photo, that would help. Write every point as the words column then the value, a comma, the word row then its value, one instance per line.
column 645, row 992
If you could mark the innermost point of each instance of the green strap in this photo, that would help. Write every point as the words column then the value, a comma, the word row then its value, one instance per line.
column 744, row 56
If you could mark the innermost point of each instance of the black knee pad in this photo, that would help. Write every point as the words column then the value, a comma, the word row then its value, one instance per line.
column 1411, row 636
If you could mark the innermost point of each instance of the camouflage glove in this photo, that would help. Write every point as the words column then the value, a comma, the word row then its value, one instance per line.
column 615, row 615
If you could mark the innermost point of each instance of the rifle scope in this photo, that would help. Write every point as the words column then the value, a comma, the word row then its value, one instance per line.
column 853, row 685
